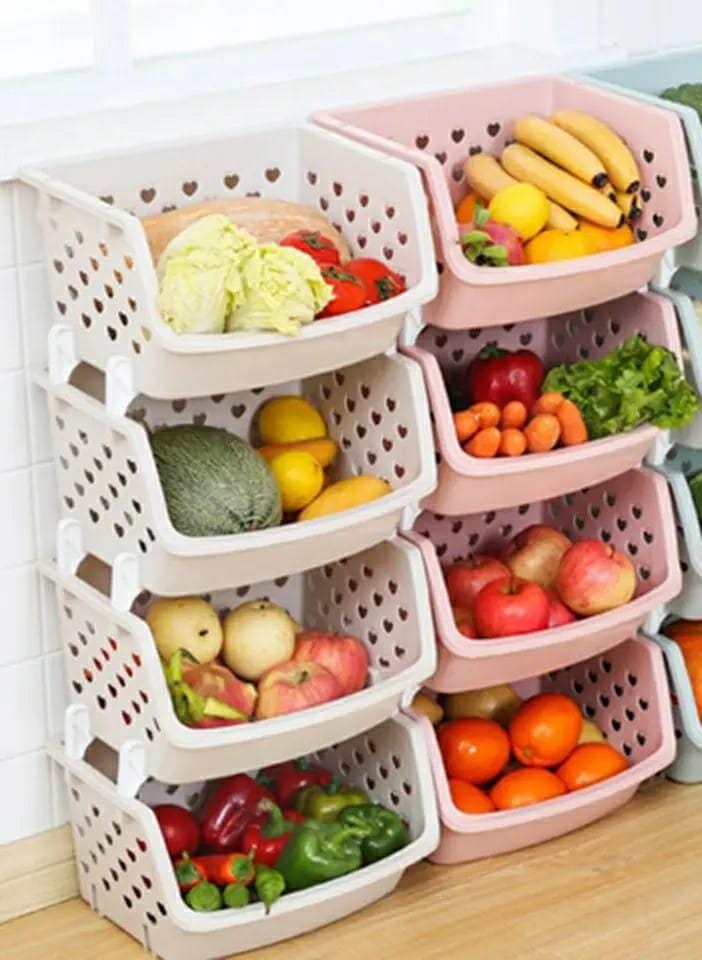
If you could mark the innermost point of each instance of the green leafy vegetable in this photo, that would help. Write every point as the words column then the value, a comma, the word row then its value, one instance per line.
column 634, row 384
column 687, row 94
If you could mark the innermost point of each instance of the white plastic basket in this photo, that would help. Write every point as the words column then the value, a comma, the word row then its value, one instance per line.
column 108, row 484
column 125, row 873
column 687, row 766
column 114, row 671
column 685, row 287
column 102, row 278
column 682, row 463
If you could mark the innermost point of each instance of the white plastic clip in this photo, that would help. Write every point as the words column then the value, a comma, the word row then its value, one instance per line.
column 69, row 545
column 132, row 768
column 125, row 581
column 77, row 731
column 411, row 328
column 408, row 516
column 119, row 385
column 62, row 353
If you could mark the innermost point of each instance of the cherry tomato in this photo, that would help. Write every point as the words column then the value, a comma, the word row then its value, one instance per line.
column 179, row 827
column 314, row 244
column 380, row 282
column 349, row 292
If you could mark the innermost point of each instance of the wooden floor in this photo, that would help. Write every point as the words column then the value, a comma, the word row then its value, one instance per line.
column 628, row 888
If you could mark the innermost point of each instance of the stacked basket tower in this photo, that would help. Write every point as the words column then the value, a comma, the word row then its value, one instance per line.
column 374, row 571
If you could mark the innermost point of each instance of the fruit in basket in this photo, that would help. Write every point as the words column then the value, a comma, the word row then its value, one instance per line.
column 321, row 248
column 323, row 449
column 608, row 146
column 524, row 787
column 346, row 494
column 604, row 239
column 590, row 733
column 465, row 211
column 185, row 623
column 468, row 798
column 510, row 606
column 553, row 245
column 490, row 244
column 348, row 291
column 379, row 281
column 631, row 205
column 536, row 553
column 428, row 707
column 521, row 206
column 591, row 763
column 180, row 829
column 344, row 657
column 289, row 419
column 208, row 694
column 214, row 483
column 257, row 636
column 501, row 376
column 545, row 729
column 466, row 578
column 594, row 577
column 300, row 479
column 465, row 621
column 562, row 148
column 688, row 636
column 473, row 749
column 558, row 615
column 295, row 685
column 498, row 703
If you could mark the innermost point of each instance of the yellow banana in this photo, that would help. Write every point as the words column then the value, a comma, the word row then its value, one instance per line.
column 609, row 192
column 485, row 175
column 564, row 188
column 630, row 204
column 561, row 148
column 616, row 157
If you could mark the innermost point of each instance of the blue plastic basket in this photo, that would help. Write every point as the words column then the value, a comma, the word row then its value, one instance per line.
column 644, row 79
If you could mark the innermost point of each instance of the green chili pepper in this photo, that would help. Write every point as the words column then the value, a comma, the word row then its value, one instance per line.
column 204, row 898
column 236, row 895
column 382, row 831
column 326, row 803
column 270, row 884
column 317, row 852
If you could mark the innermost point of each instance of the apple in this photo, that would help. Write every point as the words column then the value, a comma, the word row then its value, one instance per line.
column 511, row 606
column 594, row 578
column 465, row 621
column 218, row 685
column 345, row 657
column 257, row 636
column 558, row 614
column 535, row 554
column 294, row 686
column 465, row 579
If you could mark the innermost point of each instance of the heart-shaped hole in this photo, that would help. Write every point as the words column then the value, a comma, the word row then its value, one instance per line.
column 311, row 177
column 350, row 215
column 363, row 199
column 493, row 129
column 272, row 174
column 189, row 187
column 474, row 150
column 441, row 156
column 147, row 194
column 457, row 134
column 361, row 240
column 422, row 141
column 231, row 180
column 649, row 156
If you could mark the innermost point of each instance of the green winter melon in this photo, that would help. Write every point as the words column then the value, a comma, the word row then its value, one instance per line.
column 214, row 483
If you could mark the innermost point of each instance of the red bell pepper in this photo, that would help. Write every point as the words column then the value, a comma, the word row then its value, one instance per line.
column 269, row 831
column 228, row 810
column 225, row 868
column 499, row 376
column 189, row 873
column 287, row 779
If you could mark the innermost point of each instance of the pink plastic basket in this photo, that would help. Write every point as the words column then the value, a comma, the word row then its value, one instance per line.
column 503, row 482
column 625, row 692
column 632, row 511
column 437, row 132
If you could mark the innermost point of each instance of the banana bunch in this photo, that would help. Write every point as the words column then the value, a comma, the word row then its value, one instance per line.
column 581, row 164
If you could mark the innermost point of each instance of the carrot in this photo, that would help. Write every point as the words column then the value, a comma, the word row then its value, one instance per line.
column 487, row 413
column 513, row 442
column 547, row 403
column 514, row 414
column 485, row 443
column 466, row 424
column 573, row 429
column 542, row 433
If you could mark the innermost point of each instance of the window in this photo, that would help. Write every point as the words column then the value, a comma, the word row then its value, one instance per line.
column 44, row 36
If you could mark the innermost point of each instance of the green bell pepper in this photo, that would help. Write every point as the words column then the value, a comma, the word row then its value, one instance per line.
column 326, row 803
column 317, row 852
column 381, row 830
column 204, row 898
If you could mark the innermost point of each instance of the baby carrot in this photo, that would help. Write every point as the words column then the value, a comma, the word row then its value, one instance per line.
column 487, row 413
column 573, row 428
column 514, row 414
column 547, row 403
column 466, row 424
column 485, row 443
column 513, row 442
column 542, row 433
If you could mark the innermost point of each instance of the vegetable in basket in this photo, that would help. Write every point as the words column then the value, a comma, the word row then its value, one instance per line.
column 326, row 804
column 204, row 898
column 318, row 852
column 383, row 832
column 228, row 810
column 286, row 780
column 268, row 833
column 687, row 94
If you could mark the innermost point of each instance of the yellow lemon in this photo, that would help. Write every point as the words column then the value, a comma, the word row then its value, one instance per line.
column 521, row 206
column 289, row 420
column 299, row 477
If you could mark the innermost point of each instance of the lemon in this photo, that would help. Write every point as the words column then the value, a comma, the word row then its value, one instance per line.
column 290, row 420
column 299, row 477
column 521, row 206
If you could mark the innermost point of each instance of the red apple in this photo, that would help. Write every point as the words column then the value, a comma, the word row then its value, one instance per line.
column 535, row 554
column 217, row 684
column 295, row 685
column 594, row 577
column 558, row 613
column 511, row 606
column 345, row 657
column 465, row 621
column 465, row 579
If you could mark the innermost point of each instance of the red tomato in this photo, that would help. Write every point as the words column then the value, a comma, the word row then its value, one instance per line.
column 179, row 827
column 349, row 292
column 314, row 244
column 380, row 281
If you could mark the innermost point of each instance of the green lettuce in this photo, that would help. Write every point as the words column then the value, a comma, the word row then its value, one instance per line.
column 634, row 384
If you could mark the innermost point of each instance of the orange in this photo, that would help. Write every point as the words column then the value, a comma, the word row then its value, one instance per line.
column 545, row 729
column 590, row 763
column 691, row 649
column 474, row 749
column 683, row 628
column 465, row 211
column 522, row 788
column 551, row 245
column 468, row 798
column 606, row 238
